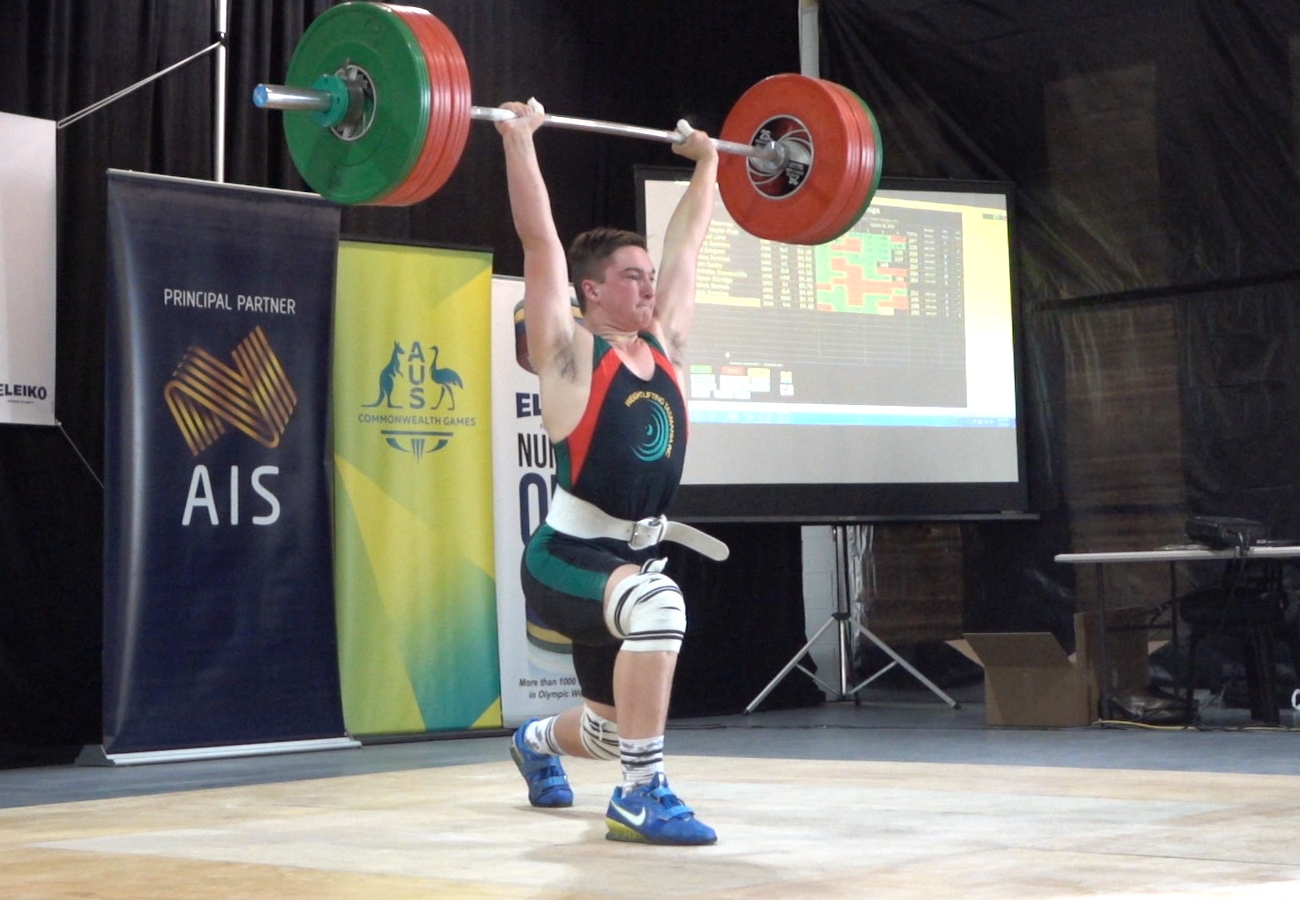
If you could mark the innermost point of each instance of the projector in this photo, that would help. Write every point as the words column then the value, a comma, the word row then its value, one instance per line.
column 1225, row 532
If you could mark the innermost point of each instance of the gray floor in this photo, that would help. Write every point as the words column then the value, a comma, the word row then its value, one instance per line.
column 898, row 726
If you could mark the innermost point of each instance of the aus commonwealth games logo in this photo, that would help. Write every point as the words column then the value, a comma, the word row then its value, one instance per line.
column 415, row 394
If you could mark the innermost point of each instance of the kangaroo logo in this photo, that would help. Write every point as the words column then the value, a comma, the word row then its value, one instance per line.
column 388, row 377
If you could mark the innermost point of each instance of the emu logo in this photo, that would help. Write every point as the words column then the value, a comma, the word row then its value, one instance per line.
column 445, row 379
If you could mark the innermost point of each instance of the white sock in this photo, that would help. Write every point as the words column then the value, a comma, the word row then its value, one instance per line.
column 540, row 737
column 642, row 759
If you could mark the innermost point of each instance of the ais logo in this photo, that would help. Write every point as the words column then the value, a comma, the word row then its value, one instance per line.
column 254, row 396
column 207, row 397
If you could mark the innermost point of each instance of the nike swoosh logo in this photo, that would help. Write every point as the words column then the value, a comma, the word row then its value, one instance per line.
column 638, row 820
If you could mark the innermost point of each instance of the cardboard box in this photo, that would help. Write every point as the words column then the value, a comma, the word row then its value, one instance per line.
column 1128, row 648
column 1030, row 681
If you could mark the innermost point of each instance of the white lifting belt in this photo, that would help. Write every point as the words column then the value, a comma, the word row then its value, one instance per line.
column 578, row 518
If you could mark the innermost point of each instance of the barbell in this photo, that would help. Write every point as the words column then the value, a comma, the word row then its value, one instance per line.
column 377, row 111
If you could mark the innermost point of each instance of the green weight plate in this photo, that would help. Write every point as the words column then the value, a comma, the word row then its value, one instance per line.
column 378, row 156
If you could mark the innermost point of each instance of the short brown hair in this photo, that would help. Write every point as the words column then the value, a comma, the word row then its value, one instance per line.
column 590, row 251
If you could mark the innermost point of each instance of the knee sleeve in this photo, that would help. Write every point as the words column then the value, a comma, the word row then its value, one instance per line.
column 647, row 611
column 599, row 735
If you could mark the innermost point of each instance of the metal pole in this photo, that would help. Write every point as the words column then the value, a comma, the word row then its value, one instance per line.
column 846, row 609
column 219, row 99
column 100, row 104
column 809, row 39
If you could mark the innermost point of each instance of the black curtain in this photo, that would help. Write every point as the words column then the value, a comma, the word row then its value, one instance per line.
column 1154, row 149
column 640, row 62
column 1154, row 145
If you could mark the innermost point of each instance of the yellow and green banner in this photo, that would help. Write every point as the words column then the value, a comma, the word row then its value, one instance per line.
column 414, row 574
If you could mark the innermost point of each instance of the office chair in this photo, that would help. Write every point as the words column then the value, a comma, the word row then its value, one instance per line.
column 1251, row 607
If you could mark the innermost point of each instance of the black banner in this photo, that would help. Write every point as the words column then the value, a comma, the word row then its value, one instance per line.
column 218, row 594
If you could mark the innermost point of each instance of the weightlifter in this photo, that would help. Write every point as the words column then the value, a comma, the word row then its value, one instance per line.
column 613, row 406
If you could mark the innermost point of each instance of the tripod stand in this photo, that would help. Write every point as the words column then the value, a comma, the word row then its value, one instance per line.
column 846, row 628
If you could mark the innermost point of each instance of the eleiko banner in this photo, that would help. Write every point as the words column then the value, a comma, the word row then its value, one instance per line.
column 28, row 241
column 413, row 490
column 536, row 664
column 219, row 603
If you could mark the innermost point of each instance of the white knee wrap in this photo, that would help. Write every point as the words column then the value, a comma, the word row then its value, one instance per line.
column 647, row 611
column 599, row 735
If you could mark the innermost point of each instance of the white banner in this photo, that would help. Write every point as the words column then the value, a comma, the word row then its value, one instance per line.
column 536, row 667
column 28, row 235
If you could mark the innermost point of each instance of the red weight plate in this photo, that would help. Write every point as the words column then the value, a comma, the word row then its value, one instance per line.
column 791, row 206
column 440, row 105
column 860, row 185
column 413, row 189
column 458, row 120
column 449, row 113
column 856, row 191
column 410, row 189
column 873, row 160
column 877, row 146
column 832, row 223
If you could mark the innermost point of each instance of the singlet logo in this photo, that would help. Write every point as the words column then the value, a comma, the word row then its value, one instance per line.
column 659, row 430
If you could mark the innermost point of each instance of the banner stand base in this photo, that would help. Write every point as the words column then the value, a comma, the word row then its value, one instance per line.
column 95, row 755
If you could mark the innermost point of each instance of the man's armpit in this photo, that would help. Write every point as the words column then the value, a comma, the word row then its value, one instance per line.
column 675, row 348
column 565, row 361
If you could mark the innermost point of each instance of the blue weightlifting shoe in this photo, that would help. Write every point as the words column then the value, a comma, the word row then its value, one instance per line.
column 548, row 786
column 652, row 814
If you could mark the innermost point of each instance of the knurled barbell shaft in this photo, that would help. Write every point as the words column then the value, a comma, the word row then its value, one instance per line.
column 279, row 96
column 497, row 114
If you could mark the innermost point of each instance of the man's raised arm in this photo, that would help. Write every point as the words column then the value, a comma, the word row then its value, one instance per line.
column 548, row 318
column 683, row 237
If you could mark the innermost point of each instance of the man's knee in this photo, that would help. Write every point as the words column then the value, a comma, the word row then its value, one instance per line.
column 647, row 611
column 599, row 735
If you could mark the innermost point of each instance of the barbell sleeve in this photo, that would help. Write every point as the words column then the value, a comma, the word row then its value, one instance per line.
column 279, row 96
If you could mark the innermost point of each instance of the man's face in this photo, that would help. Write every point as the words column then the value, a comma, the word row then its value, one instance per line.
column 627, row 295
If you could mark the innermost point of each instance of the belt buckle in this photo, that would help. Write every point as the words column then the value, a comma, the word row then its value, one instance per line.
column 647, row 532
